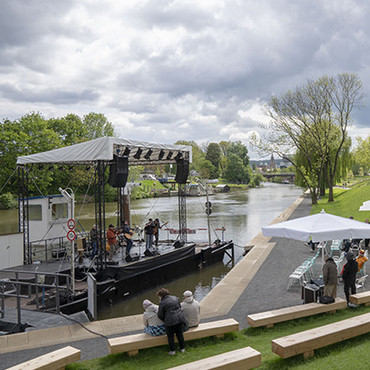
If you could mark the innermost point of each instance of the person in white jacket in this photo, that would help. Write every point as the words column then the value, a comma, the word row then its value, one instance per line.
column 191, row 309
column 153, row 325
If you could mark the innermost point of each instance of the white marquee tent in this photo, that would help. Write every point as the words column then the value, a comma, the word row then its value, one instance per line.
column 319, row 227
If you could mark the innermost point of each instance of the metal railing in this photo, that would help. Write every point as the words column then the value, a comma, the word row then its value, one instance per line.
column 32, row 290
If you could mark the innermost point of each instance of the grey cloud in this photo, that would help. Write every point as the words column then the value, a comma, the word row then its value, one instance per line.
column 51, row 95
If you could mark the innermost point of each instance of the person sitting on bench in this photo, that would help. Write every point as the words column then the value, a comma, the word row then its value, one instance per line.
column 153, row 324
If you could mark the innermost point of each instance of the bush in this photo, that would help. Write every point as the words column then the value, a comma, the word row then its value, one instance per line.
column 8, row 201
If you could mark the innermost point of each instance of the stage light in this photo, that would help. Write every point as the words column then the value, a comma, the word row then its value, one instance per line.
column 178, row 156
column 138, row 153
column 161, row 154
column 147, row 155
column 169, row 155
column 127, row 151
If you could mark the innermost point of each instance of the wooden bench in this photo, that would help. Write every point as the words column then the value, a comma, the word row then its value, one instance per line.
column 269, row 318
column 307, row 341
column 53, row 360
column 240, row 359
column 132, row 343
column 360, row 298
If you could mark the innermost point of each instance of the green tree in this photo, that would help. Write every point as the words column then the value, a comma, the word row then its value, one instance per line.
column 362, row 154
column 28, row 135
column 97, row 125
column 236, row 171
column 213, row 154
column 240, row 150
column 69, row 128
column 312, row 122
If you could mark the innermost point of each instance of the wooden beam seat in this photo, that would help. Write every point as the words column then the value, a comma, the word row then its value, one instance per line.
column 53, row 360
column 240, row 359
column 307, row 341
column 360, row 298
column 132, row 343
column 269, row 318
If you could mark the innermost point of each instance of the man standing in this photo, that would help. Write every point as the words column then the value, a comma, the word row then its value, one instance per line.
column 94, row 240
column 157, row 226
column 330, row 276
column 149, row 229
column 128, row 236
column 349, row 276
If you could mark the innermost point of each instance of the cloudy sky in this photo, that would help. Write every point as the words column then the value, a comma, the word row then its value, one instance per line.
column 164, row 70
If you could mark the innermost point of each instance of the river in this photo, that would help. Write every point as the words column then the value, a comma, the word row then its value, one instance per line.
column 241, row 213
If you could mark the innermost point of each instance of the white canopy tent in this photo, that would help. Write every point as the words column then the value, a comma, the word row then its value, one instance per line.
column 319, row 227
column 365, row 206
column 103, row 149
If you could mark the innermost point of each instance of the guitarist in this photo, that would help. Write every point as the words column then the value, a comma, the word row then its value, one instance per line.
column 157, row 226
column 128, row 232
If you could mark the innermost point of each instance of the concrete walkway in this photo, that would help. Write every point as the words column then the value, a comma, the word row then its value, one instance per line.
column 257, row 283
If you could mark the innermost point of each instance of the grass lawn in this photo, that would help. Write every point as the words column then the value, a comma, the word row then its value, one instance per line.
column 350, row 354
column 347, row 201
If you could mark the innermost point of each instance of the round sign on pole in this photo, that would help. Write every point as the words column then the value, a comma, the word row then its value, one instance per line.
column 71, row 223
column 71, row 235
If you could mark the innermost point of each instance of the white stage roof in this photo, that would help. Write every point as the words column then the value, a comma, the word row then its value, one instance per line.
column 103, row 149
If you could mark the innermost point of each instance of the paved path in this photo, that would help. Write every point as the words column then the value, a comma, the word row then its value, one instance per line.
column 257, row 283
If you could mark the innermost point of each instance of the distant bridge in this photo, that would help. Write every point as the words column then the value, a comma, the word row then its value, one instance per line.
column 288, row 175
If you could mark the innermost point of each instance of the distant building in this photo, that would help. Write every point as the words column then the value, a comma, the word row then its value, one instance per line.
column 272, row 163
column 222, row 188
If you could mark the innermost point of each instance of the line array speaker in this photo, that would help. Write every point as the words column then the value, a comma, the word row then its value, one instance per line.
column 182, row 171
column 118, row 172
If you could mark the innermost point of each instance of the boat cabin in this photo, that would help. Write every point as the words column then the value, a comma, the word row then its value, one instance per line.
column 48, row 217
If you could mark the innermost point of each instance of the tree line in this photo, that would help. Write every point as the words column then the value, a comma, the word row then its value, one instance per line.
column 33, row 133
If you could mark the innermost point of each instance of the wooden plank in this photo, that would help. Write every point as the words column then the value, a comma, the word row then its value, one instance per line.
column 50, row 361
column 360, row 298
column 268, row 318
column 307, row 341
column 240, row 359
column 132, row 343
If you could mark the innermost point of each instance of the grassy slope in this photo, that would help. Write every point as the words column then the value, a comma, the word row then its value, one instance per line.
column 347, row 202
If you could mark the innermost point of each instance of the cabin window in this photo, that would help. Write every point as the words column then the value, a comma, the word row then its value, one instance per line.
column 35, row 213
column 59, row 210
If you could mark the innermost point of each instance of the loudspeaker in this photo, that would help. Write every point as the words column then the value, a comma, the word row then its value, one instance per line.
column 148, row 253
column 118, row 172
column 128, row 258
column 182, row 171
column 178, row 244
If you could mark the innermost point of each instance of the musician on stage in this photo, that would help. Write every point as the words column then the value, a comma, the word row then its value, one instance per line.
column 128, row 232
column 157, row 226
column 112, row 241
column 149, row 229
